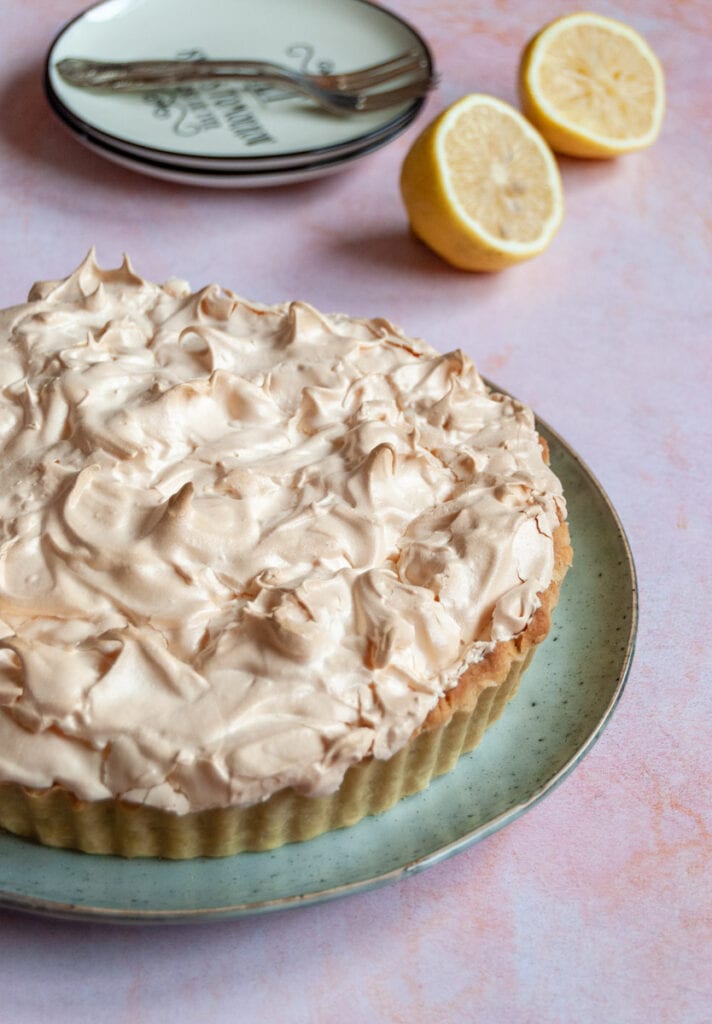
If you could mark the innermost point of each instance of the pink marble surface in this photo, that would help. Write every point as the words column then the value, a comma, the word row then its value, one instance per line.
column 595, row 906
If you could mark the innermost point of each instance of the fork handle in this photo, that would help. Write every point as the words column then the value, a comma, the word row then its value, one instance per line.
column 138, row 75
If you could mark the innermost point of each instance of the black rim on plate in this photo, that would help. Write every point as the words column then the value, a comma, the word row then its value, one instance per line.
column 383, row 134
column 190, row 174
column 139, row 157
column 234, row 165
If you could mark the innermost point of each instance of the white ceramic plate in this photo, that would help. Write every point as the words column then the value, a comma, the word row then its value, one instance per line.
column 566, row 697
column 220, row 124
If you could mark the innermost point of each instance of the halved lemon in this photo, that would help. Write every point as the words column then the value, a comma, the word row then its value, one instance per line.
column 592, row 86
column 481, row 187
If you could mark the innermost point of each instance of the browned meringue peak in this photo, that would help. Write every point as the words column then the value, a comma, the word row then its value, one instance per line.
column 241, row 546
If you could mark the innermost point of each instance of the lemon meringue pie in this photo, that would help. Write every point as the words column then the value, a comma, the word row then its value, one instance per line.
column 263, row 571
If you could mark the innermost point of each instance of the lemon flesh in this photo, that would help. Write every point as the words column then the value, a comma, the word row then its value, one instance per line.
column 592, row 86
column 481, row 186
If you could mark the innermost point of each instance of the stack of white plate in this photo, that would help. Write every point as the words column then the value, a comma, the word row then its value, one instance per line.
column 228, row 134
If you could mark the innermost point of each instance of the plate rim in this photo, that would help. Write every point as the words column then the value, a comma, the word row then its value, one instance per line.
column 333, row 162
column 217, row 165
column 208, row 178
column 74, row 911
column 398, row 123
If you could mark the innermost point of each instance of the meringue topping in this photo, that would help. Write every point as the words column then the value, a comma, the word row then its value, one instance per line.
column 243, row 547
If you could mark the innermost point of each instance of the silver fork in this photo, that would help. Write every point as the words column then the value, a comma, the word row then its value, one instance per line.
column 342, row 92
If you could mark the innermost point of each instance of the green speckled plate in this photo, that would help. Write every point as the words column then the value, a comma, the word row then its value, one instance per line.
column 565, row 700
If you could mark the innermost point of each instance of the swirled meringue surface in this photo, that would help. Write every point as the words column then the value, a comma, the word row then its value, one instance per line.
column 243, row 547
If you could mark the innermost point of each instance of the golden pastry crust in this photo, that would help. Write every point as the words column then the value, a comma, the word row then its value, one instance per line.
column 54, row 817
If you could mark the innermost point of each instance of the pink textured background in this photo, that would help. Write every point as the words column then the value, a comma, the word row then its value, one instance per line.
column 596, row 905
